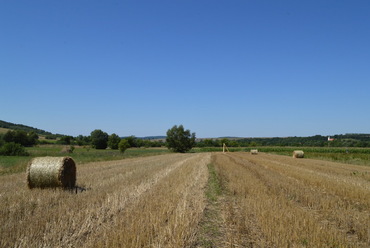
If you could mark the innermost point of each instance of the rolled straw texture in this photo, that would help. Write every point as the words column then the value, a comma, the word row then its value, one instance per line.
column 46, row 172
column 254, row 151
column 298, row 154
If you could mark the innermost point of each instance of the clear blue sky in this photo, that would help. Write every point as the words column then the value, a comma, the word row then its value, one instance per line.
column 246, row 68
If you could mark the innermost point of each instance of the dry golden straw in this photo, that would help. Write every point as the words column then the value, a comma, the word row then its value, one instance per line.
column 298, row 154
column 254, row 151
column 46, row 172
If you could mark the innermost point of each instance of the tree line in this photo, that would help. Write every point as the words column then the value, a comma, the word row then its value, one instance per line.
column 178, row 140
column 101, row 140
column 342, row 140
column 13, row 142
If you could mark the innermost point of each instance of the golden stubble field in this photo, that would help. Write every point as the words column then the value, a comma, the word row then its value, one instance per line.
column 161, row 201
column 277, row 201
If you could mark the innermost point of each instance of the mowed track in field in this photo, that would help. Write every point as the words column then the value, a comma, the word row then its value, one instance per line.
column 160, row 201
column 278, row 201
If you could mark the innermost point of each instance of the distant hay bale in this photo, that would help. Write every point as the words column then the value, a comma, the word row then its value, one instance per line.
column 254, row 151
column 45, row 172
column 66, row 149
column 298, row 154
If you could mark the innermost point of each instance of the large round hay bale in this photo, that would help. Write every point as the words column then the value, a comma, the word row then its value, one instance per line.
column 254, row 151
column 46, row 172
column 298, row 154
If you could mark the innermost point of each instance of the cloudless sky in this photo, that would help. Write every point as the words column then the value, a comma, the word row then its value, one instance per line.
column 246, row 68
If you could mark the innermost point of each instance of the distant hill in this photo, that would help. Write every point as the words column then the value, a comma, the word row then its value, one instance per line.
column 152, row 137
column 344, row 140
column 229, row 137
column 9, row 125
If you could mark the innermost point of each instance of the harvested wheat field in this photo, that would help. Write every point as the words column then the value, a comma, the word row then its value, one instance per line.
column 193, row 200
column 145, row 202
column 278, row 201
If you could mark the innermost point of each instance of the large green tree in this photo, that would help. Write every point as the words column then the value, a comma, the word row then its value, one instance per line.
column 99, row 139
column 131, row 140
column 113, row 141
column 180, row 140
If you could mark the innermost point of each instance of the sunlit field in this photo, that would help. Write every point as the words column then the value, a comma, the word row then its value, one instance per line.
column 277, row 201
column 360, row 156
column 15, row 164
column 206, row 199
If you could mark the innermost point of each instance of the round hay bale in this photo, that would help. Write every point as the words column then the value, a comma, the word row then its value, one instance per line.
column 254, row 151
column 44, row 172
column 66, row 149
column 298, row 154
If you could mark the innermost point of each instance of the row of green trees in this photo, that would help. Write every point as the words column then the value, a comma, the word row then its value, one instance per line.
column 347, row 140
column 178, row 140
column 99, row 139
column 13, row 143
column 103, row 138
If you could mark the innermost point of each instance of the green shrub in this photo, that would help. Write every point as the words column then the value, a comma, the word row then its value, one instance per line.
column 123, row 145
column 13, row 149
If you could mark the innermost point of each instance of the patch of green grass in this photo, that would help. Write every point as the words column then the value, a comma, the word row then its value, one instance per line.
column 45, row 150
column 13, row 164
column 85, row 155
column 214, row 188
column 358, row 159
column 16, row 164
column 209, row 226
